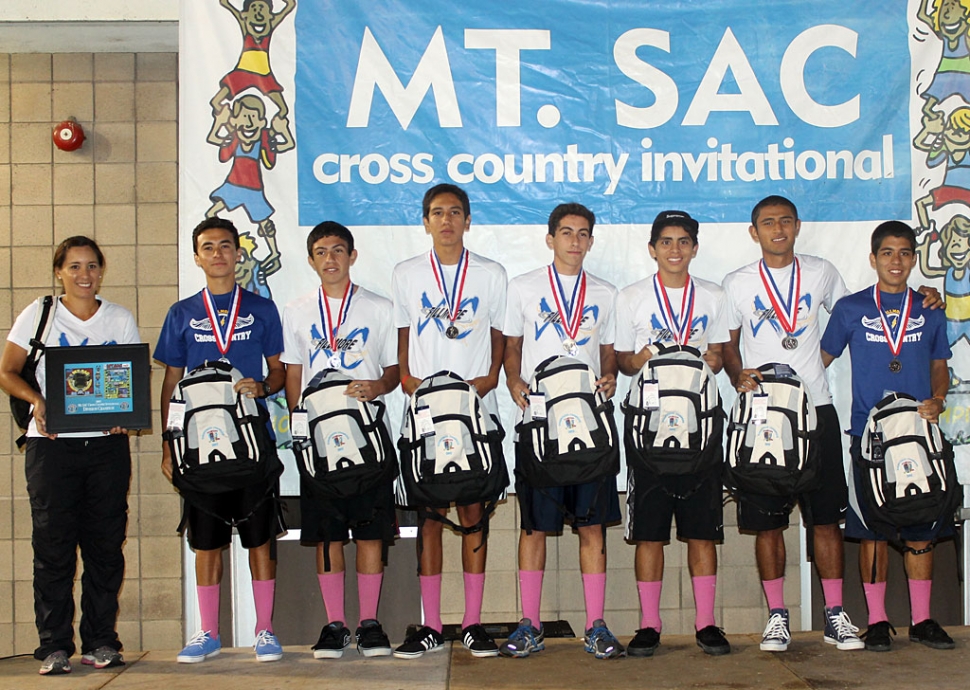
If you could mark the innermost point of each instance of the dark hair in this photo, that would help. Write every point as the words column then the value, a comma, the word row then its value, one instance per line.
column 210, row 224
column 673, row 219
column 571, row 209
column 892, row 228
column 248, row 3
column 60, row 254
column 445, row 188
column 773, row 200
column 329, row 228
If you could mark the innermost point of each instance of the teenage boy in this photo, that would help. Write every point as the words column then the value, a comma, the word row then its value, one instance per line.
column 672, row 307
column 342, row 326
column 223, row 321
column 554, row 310
column 898, row 345
column 449, row 306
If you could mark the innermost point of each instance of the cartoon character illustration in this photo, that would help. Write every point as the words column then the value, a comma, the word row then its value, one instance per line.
column 251, row 273
column 257, row 21
column 946, row 140
column 955, row 420
column 950, row 22
column 243, row 137
column 954, row 256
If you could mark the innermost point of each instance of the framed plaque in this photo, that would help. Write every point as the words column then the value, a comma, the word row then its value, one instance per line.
column 98, row 387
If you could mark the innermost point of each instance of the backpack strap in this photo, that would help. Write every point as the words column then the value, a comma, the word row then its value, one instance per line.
column 45, row 319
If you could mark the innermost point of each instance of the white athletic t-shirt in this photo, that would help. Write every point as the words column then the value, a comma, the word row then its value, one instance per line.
column 111, row 324
column 749, row 308
column 640, row 320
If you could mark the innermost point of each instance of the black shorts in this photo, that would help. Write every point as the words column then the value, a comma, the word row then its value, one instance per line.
column 256, row 516
column 827, row 504
column 370, row 516
column 653, row 501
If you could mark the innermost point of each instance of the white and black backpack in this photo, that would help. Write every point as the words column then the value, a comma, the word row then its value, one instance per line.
column 576, row 441
column 906, row 469
column 773, row 436
column 674, row 420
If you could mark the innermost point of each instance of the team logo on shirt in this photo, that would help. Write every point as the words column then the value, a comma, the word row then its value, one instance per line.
column 766, row 314
column 350, row 348
column 659, row 333
column 439, row 315
column 913, row 326
column 64, row 342
column 549, row 316
column 207, row 336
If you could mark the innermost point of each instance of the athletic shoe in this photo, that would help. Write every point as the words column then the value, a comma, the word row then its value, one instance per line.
column 476, row 640
column 777, row 635
column 200, row 648
column 267, row 647
column 840, row 631
column 103, row 657
column 55, row 664
column 931, row 634
column 601, row 642
column 371, row 640
column 524, row 640
column 877, row 637
column 644, row 643
column 333, row 638
column 424, row 640
column 711, row 639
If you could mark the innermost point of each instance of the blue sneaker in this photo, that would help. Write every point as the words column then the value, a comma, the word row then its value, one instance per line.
column 267, row 647
column 524, row 640
column 200, row 648
column 602, row 643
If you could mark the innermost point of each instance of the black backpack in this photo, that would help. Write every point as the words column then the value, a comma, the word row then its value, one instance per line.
column 683, row 432
column 20, row 409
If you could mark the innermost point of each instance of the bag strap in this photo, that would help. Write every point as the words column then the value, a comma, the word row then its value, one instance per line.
column 45, row 320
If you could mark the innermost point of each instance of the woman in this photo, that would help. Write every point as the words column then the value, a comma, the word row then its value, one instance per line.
column 77, row 482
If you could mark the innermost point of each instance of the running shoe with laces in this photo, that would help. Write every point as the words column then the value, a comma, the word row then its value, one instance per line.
column 602, row 643
column 200, row 648
column 524, row 640
column 267, row 647
column 371, row 639
column 930, row 633
column 424, row 640
column 103, row 657
column 711, row 639
column 777, row 634
column 644, row 643
column 476, row 640
column 840, row 631
column 55, row 664
column 333, row 639
column 877, row 637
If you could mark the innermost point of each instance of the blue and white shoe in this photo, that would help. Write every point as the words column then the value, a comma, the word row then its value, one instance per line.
column 524, row 640
column 840, row 631
column 267, row 647
column 201, row 647
column 602, row 643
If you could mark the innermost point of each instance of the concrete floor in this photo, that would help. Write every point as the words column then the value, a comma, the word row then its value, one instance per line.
column 677, row 664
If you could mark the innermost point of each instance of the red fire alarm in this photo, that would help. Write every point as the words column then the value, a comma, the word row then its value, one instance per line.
column 68, row 135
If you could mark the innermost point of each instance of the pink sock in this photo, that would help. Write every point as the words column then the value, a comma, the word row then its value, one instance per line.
column 369, row 594
column 876, row 601
column 650, row 604
column 832, row 590
column 332, row 589
column 209, row 607
column 530, row 585
column 594, row 591
column 431, row 600
column 264, row 592
column 775, row 592
column 705, row 586
column 919, row 599
column 474, row 593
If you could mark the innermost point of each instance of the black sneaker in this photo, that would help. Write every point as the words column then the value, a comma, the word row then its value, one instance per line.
column 711, row 639
column 645, row 643
column 877, row 637
column 333, row 638
column 371, row 639
column 476, row 640
column 931, row 634
column 424, row 640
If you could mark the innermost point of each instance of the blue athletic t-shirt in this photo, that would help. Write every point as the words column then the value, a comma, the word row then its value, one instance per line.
column 855, row 322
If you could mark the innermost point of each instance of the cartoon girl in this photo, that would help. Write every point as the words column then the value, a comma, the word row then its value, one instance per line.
column 954, row 256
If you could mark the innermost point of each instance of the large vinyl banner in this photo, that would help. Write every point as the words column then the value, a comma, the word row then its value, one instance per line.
column 297, row 111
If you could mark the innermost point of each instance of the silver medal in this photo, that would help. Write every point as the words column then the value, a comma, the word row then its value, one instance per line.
column 789, row 342
column 451, row 332
column 334, row 361
column 895, row 366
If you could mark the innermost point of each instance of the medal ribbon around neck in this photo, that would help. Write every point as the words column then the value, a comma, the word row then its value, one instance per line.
column 454, row 300
column 787, row 314
column 894, row 340
column 571, row 312
column 680, row 330
column 223, row 337
column 329, row 327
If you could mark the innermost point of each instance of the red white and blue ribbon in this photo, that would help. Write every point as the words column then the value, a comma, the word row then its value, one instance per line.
column 894, row 336
column 453, row 300
column 785, row 312
column 679, row 329
column 571, row 312
column 222, row 335
column 326, row 319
